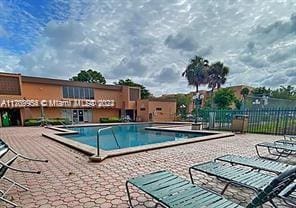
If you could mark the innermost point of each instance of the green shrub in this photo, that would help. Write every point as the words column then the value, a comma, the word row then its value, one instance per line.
column 50, row 121
column 110, row 120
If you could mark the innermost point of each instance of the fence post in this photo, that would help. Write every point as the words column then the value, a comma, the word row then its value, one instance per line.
column 277, row 122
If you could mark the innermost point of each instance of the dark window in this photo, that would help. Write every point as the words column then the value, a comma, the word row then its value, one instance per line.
column 134, row 94
column 142, row 109
column 158, row 109
column 71, row 92
column 87, row 96
column 65, row 92
column 82, row 96
column 76, row 92
column 9, row 86
column 91, row 93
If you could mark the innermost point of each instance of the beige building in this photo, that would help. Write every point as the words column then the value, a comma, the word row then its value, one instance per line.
column 25, row 97
column 156, row 109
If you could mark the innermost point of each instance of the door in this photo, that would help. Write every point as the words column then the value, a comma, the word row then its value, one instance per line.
column 75, row 116
column 80, row 116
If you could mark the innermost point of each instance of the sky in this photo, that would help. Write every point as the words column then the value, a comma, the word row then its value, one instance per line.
column 150, row 41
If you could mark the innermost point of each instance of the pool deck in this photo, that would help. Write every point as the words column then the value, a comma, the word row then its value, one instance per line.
column 70, row 180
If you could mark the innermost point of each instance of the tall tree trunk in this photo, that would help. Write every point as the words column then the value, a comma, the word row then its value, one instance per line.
column 196, row 88
column 212, row 99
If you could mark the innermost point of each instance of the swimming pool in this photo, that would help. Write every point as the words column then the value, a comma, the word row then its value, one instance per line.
column 131, row 135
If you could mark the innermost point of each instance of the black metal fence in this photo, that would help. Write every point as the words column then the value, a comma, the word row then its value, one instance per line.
column 267, row 121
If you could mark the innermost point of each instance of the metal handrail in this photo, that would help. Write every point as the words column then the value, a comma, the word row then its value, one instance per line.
column 64, row 125
column 98, row 138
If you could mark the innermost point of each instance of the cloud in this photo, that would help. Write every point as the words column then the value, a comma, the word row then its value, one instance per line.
column 64, row 33
column 277, row 30
column 169, row 74
column 181, row 41
column 253, row 61
column 275, row 81
column 282, row 54
column 128, row 68
column 150, row 41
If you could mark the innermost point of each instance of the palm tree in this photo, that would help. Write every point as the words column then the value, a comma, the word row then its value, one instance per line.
column 217, row 75
column 196, row 72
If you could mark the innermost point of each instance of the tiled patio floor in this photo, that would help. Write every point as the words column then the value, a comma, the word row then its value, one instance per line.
column 69, row 180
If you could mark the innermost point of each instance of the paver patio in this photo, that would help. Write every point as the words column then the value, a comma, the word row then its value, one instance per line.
column 70, row 180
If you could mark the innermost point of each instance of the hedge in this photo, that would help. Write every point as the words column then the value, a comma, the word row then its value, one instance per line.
column 110, row 120
column 50, row 121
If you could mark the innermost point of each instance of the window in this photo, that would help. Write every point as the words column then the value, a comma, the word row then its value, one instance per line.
column 91, row 93
column 78, row 92
column 142, row 109
column 65, row 92
column 71, row 92
column 9, row 86
column 87, row 93
column 82, row 95
column 134, row 94
column 159, row 109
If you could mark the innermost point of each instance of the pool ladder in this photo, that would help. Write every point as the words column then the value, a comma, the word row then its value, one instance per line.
column 98, row 138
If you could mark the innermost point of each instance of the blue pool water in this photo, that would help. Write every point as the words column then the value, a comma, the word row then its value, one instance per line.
column 127, row 136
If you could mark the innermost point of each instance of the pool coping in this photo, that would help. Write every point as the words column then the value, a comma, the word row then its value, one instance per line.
column 92, row 151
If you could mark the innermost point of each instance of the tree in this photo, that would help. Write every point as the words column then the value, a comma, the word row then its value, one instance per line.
column 238, row 104
column 217, row 75
column 90, row 76
column 223, row 98
column 183, row 100
column 196, row 72
column 283, row 92
column 244, row 92
column 260, row 91
column 128, row 82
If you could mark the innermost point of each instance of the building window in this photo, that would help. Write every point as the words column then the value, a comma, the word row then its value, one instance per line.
column 78, row 92
column 159, row 109
column 134, row 94
column 9, row 86
column 142, row 109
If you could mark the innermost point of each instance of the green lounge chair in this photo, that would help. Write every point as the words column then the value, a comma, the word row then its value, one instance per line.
column 234, row 175
column 279, row 149
column 175, row 192
column 255, row 163
column 290, row 137
column 285, row 141
column 4, row 166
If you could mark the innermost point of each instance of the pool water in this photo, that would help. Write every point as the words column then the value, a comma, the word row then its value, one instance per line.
column 127, row 136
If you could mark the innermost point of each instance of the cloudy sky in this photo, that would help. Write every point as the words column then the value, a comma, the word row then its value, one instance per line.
column 150, row 41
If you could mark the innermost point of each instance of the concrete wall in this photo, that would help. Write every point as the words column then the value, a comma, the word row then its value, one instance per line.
column 167, row 112
column 158, row 109
column 142, row 110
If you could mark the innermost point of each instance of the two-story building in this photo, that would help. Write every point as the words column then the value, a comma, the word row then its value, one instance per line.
column 25, row 97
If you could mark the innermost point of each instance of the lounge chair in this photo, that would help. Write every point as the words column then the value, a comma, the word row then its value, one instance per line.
column 255, row 163
column 242, row 177
column 175, row 192
column 285, row 141
column 4, row 166
column 290, row 137
column 279, row 149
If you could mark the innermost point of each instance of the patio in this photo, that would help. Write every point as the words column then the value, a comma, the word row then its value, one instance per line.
column 70, row 180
